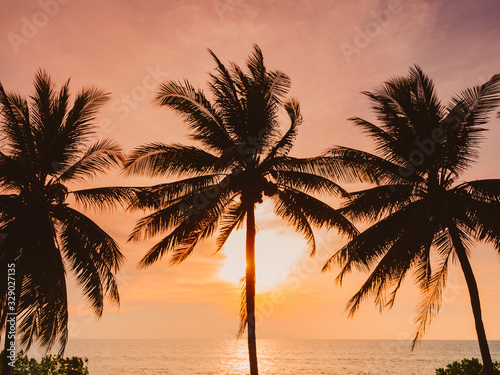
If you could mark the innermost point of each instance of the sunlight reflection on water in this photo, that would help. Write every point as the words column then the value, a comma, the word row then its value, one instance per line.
column 276, row 357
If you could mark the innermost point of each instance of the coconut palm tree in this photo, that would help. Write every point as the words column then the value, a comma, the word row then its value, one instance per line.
column 44, row 149
column 243, row 156
column 423, row 215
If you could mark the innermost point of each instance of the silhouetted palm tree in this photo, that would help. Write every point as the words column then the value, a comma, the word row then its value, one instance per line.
column 423, row 214
column 243, row 156
column 44, row 147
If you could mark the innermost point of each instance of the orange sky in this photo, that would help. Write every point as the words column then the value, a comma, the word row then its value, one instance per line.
column 127, row 47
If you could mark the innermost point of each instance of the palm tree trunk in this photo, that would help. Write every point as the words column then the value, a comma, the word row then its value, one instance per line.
column 474, row 300
column 250, row 289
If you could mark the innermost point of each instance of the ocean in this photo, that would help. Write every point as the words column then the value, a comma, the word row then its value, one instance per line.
column 276, row 357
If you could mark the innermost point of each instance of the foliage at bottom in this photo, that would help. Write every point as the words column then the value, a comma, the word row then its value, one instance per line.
column 48, row 365
column 467, row 367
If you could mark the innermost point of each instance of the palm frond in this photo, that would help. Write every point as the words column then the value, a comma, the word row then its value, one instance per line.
column 103, row 198
column 16, row 126
column 181, row 241
column 364, row 250
column 361, row 166
column 205, row 228
column 308, row 183
column 426, row 97
column 43, row 313
column 284, row 145
column 255, row 64
column 482, row 190
column 407, row 250
column 279, row 85
column 479, row 101
column 87, row 103
column 227, row 99
column 165, row 218
column 99, row 158
column 63, row 147
column 92, row 255
column 14, row 173
column 204, row 121
column 392, row 104
column 464, row 131
column 324, row 166
column 373, row 204
column 158, row 159
column 432, row 296
column 243, row 320
column 231, row 219
column 318, row 213
column 42, row 304
column 385, row 142
column 42, row 106
column 476, row 207
column 286, row 208
column 162, row 195
column 189, row 230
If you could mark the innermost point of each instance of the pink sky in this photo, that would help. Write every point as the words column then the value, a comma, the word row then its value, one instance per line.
column 127, row 47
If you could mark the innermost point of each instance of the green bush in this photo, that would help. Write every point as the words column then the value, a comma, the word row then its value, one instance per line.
column 49, row 365
column 467, row 367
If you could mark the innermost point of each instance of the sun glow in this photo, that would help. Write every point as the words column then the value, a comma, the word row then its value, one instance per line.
column 276, row 251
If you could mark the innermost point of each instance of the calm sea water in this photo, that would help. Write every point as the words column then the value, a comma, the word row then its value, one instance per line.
column 276, row 357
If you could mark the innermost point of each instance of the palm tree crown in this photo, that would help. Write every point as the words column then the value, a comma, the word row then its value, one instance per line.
column 423, row 214
column 43, row 150
column 243, row 157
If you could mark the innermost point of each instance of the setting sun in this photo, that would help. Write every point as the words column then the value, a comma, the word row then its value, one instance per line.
column 276, row 251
